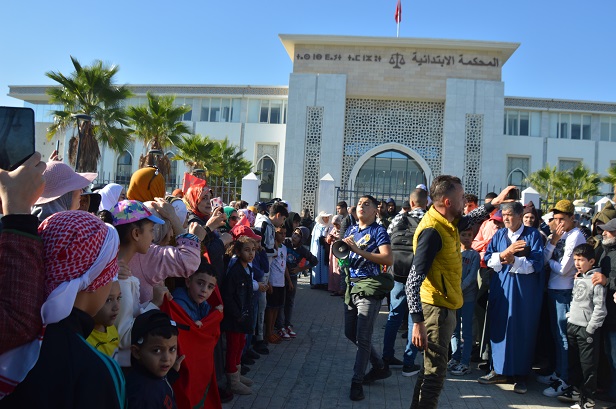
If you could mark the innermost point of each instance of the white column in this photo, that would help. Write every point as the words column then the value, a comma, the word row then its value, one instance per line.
column 530, row 195
column 250, row 188
column 326, row 196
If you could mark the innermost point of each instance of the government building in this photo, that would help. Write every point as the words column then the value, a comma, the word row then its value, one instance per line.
column 378, row 115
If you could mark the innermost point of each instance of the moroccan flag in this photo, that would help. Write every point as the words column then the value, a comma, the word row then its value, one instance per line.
column 190, row 180
column 398, row 15
column 197, row 387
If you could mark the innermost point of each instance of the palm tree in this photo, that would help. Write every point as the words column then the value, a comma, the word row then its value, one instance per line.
column 611, row 179
column 197, row 152
column 91, row 91
column 158, row 124
column 544, row 181
column 230, row 161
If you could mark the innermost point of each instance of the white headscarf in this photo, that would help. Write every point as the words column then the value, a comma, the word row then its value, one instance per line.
column 110, row 195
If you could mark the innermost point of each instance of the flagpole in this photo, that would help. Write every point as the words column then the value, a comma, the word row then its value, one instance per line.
column 398, row 30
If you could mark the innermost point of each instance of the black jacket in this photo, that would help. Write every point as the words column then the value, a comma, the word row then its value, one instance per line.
column 607, row 263
column 69, row 372
column 237, row 298
column 145, row 391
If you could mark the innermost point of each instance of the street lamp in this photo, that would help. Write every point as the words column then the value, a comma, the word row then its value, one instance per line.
column 81, row 119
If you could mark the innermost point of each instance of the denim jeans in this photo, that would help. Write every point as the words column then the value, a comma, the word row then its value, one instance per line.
column 464, row 321
column 398, row 309
column 610, row 351
column 262, row 305
column 359, row 318
column 559, row 302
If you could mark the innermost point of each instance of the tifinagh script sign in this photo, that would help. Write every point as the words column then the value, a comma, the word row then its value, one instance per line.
column 398, row 60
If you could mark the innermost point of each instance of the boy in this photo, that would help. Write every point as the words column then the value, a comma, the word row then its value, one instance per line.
column 461, row 358
column 104, row 336
column 276, row 293
column 199, row 286
column 583, row 333
column 154, row 360
column 266, row 226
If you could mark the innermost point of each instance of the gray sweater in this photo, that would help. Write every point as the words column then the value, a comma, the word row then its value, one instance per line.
column 588, row 308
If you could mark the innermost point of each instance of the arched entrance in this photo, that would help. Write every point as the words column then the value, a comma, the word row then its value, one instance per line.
column 389, row 170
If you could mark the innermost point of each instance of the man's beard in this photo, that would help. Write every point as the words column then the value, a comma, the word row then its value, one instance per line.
column 609, row 243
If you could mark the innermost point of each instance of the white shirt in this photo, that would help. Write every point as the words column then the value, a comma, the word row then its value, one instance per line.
column 278, row 265
column 562, row 271
column 520, row 264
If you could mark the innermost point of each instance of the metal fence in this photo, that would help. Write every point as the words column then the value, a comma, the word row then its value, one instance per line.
column 228, row 189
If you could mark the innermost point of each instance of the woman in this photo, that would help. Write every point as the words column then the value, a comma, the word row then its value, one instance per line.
column 146, row 184
column 232, row 218
column 63, row 188
column 291, row 223
column 333, row 284
column 110, row 195
column 320, row 248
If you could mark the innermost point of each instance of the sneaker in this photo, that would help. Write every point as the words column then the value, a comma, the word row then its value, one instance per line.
column 282, row 333
column 556, row 388
column 410, row 370
column 452, row 364
column 393, row 362
column 584, row 403
column 570, row 395
column 547, row 379
column 290, row 331
column 492, row 378
column 460, row 370
column 377, row 373
column 357, row 391
column 520, row 387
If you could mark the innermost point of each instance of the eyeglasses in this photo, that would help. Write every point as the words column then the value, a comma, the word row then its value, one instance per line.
column 153, row 176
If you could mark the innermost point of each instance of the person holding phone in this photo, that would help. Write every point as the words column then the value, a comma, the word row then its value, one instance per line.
column 514, row 303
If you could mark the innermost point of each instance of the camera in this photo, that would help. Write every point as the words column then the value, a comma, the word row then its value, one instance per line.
column 514, row 194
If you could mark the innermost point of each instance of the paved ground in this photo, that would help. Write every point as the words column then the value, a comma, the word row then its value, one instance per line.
column 314, row 370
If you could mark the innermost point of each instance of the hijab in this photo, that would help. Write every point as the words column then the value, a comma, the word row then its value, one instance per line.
column 146, row 184
column 110, row 195
column 160, row 230
column 228, row 211
column 60, row 204
column 192, row 198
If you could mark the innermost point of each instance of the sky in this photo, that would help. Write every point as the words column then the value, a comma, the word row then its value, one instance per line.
column 566, row 47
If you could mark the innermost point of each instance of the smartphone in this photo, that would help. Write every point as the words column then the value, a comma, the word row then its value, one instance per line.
column 16, row 136
column 514, row 194
column 216, row 202
column 525, row 252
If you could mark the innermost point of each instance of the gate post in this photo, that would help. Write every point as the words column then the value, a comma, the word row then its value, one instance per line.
column 250, row 188
column 326, row 196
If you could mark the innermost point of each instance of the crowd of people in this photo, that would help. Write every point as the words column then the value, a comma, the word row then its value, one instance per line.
column 137, row 298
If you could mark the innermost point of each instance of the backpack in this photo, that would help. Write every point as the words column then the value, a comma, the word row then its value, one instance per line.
column 402, row 247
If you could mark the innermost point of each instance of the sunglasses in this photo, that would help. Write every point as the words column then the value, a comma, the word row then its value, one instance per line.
column 154, row 175
column 233, row 218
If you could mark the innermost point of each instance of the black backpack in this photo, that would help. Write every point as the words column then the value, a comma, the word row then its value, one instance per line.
column 402, row 247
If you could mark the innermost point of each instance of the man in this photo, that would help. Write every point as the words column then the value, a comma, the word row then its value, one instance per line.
column 438, row 261
column 488, row 197
column 341, row 209
column 403, row 226
column 369, row 244
column 558, row 254
column 515, row 254
column 607, row 277
column 391, row 210
column 472, row 202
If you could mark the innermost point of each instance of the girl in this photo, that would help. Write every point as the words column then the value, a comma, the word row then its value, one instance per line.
column 104, row 336
column 237, row 296
column 135, row 226
column 333, row 285
column 320, row 248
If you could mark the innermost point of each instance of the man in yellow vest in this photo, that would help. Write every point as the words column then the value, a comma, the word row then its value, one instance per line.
column 434, row 285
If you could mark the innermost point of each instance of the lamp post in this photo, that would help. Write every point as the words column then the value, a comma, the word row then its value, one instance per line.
column 155, row 155
column 81, row 120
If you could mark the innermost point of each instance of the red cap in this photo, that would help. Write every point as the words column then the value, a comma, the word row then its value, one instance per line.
column 240, row 230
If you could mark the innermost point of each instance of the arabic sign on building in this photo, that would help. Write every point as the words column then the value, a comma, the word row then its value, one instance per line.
column 397, row 60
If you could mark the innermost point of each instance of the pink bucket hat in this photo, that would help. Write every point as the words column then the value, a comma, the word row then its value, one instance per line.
column 61, row 179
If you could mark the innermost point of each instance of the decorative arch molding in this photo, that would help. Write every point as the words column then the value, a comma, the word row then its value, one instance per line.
column 388, row 147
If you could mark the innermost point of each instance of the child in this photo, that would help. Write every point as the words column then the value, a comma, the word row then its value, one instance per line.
column 80, row 263
column 279, row 273
column 237, row 296
column 460, row 360
column 266, row 226
column 199, row 286
column 154, row 361
column 135, row 226
column 295, row 253
column 583, row 333
column 104, row 336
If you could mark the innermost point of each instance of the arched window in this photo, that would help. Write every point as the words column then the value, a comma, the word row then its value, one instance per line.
column 389, row 174
column 124, row 168
column 173, row 171
column 516, row 178
column 267, row 170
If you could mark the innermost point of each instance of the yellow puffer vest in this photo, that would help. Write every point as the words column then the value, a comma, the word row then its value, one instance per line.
column 443, row 284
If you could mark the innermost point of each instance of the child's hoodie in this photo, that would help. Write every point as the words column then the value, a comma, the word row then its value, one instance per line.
column 588, row 308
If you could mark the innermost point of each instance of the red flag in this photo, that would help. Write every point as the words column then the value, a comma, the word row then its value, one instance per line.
column 398, row 15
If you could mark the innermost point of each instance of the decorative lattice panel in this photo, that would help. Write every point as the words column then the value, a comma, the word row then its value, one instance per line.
column 472, row 150
column 269, row 150
column 312, row 157
column 415, row 124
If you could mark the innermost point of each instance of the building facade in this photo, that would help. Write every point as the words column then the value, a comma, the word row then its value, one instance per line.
column 381, row 115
